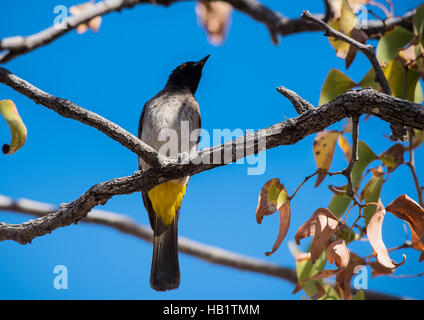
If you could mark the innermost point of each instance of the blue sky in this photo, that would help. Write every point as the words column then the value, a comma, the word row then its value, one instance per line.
column 113, row 73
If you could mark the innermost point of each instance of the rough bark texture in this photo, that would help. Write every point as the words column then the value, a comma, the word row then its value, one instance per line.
column 364, row 101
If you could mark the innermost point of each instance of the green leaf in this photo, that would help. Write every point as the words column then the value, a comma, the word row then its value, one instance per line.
column 335, row 84
column 371, row 193
column 369, row 81
column 19, row 132
column 339, row 204
column 418, row 94
column 395, row 74
column 359, row 295
column 365, row 157
column 330, row 293
column 306, row 269
column 418, row 20
column 391, row 42
column 417, row 138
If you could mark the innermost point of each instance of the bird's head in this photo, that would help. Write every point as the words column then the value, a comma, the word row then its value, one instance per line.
column 187, row 75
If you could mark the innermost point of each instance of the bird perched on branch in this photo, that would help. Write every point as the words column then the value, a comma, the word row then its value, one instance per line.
column 170, row 124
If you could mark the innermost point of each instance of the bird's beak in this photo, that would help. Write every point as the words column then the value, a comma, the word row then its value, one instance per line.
column 203, row 61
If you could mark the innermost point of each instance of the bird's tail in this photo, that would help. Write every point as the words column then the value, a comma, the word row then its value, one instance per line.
column 165, row 271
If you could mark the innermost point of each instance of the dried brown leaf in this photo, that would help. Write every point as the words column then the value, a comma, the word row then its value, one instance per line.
column 215, row 18
column 410, row 211
column 338, row 253
column 393, row 157
column 375, row 237
column 378, row 269
column 359, row 36
column 344, row 278
column 322, row 225
column 272, row 196
column 284, row 211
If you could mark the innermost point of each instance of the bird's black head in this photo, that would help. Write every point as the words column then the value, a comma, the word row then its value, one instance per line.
column 187, row 75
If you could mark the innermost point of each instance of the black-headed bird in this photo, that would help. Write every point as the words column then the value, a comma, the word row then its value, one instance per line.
column 164, row 116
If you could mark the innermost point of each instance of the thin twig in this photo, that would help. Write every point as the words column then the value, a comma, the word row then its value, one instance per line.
column 354, row 157
column 366, row 49
column 411, row 165
column 304, row 181
column 398, row 131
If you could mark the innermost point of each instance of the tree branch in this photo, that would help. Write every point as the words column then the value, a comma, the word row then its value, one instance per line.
column 199, row 250
column 367, row 101
column 366, row 49
column 300, row 104
column 398, row 132
column 68, row 109
column 276, row 23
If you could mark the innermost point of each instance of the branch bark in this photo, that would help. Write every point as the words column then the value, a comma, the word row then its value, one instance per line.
column 199, row 250
column 68, row 109
column 276, row 23
column 289, row 132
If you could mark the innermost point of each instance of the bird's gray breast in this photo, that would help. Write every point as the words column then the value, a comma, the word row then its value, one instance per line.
column 170, row 124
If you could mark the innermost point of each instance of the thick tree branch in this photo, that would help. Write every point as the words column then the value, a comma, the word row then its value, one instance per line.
column 68, row 109
column 276, row 23
column 199, row 250
column 367, row 101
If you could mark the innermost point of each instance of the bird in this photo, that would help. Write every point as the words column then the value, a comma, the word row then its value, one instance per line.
column 170, row 110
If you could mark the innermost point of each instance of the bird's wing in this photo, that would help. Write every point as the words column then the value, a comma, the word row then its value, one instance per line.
column 146, row 200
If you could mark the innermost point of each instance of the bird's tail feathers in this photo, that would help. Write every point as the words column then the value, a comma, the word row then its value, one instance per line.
column 165, row 271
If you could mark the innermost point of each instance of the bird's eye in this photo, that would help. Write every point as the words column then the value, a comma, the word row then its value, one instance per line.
column 182, row 66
